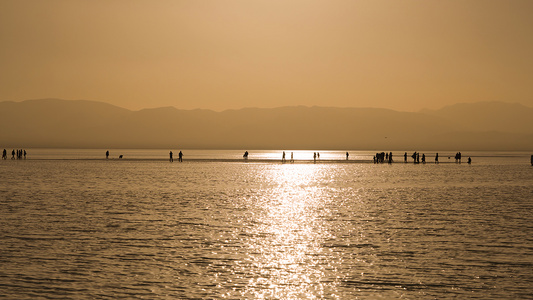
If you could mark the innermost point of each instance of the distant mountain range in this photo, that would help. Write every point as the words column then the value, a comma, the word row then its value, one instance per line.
column 89, row 124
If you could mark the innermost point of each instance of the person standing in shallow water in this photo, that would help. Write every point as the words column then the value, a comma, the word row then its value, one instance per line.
column 107, row 154
column 171, row 158
column 180, row 157
column 283, row 157
column 4, row 155
column 437, row 158
column 347, row 155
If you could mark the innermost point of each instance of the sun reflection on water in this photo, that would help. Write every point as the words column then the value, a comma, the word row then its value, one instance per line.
column 286, row 253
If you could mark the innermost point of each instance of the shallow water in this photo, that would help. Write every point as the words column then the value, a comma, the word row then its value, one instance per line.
column 91, row 228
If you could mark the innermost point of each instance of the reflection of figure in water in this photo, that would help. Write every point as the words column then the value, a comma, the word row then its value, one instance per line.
column 180, row 157
column 245, row 155
column 107, row 154
column 437, row 158
column 4, row 155
column 314, row 157
column 423, row 158
column 292, row 157
column 405, row 157
column 171, row 158
column 347, row 155
column 469, row 160
column 283, row 157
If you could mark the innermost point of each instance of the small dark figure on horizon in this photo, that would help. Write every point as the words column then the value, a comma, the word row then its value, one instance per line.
column 531, row 159
column 414, row 157
column 437, row 158
column 13, row 154
column 180, row 157
column 107, row 154
column 314, row 157
column 386, row 156
column 318, row 155
column 423, row 158
column 458, row 157
column 417, row 158
column 4, row 154
column 283, row 157
column 469, row 160
column 171, row 156
column 25, row 154
column 292, row 157
column 120, row 156
column 405, row 157
column 390, row 158
column 245, row 155
column 347, row 155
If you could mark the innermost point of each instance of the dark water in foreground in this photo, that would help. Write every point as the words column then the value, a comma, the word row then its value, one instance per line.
column 213, row 230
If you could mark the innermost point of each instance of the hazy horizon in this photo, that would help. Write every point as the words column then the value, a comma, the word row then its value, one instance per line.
column 405, row 56
column 272, row 107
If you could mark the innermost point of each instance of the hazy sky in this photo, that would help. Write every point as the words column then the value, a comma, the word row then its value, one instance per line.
column 404, row 55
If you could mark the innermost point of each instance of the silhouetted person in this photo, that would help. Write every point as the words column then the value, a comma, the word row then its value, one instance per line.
column 414, row 157
column 4, row 155
column 390, row 158
column 314, row 157
column 417, row 158
column 245, row 155
column 171, row 156
column 405, row 157
column 469, row 160
column 180, row 157
column 107, row 154
column 283, row 157
column 120, row 156
column 292, row 157
column 386, row 156
column 24, row 154
column 437, row 158
column 531, row 158
column 318, row 155
column 347, row 155
column 423, row 158
column 13, row 154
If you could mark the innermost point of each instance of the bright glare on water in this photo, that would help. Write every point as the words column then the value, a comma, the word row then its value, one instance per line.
column 214, row 229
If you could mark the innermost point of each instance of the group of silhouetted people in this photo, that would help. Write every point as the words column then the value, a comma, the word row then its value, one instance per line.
column 387, row 157
column 180, row 156
column 15, row 154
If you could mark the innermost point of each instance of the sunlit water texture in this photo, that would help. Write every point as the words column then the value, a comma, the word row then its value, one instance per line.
column 96, row 228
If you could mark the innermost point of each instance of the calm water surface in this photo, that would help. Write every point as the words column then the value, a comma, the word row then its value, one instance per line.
column 91, row 228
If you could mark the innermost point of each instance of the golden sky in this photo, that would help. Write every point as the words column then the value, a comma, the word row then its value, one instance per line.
column 404, row 55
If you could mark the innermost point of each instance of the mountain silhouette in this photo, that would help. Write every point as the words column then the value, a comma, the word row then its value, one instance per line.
column 89, row 124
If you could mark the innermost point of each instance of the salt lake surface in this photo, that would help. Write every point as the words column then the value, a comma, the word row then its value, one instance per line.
column 74, row 225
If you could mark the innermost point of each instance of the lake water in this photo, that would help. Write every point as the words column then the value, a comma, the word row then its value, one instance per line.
column 74, row 225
